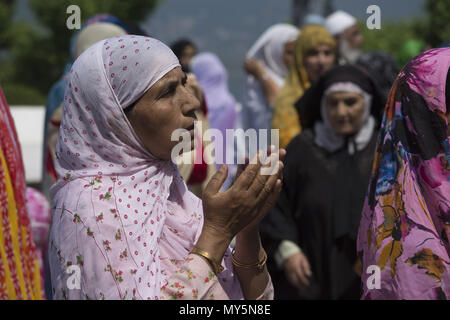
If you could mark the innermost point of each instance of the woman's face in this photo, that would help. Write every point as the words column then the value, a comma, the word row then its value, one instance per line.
column 288, row 54
column 186, row 57
column 319, row 60
column 168, row 105
column 345, row 111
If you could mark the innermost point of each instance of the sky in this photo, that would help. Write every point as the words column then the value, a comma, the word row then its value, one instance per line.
column 229, row 27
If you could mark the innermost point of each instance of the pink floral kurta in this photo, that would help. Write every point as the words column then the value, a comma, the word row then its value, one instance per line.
column 123, row 220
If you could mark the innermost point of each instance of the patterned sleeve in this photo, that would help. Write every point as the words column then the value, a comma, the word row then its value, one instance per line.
column 195, row 280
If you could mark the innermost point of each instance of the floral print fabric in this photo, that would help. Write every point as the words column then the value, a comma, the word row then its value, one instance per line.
column 405, row 223
column 196, row 281
column 121, row 217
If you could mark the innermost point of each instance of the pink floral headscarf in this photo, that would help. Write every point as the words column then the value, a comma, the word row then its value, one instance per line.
column 405, row 223
column 124, row 217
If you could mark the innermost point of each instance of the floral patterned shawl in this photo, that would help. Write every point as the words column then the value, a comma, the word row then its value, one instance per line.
column 405, row 222
column 120, row 216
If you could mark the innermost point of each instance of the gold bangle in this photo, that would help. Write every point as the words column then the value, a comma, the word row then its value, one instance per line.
column 217, row 267
column 259, row 265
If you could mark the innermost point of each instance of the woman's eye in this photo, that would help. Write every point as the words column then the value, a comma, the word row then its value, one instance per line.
column 332, row 103
column 170, row 91
column 350, row 102
column 312, row 53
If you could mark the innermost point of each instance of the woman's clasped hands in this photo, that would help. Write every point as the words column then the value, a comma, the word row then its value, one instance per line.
column 244, row 205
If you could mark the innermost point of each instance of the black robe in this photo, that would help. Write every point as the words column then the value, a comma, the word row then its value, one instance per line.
column 319, row 209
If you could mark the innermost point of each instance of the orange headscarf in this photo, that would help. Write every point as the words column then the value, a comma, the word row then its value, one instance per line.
column 285, row 117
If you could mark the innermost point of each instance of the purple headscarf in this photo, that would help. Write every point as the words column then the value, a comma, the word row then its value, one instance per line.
column 213, row 78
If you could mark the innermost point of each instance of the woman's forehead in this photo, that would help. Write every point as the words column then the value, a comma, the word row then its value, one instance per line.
column 172, row 75
column 343, row 94
column 319, row 47
column 175, row 75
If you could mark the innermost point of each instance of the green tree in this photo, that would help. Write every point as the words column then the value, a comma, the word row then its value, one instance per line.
column 36, row 57
column 6, row 11
column 392, row 37
column 399, row 38
column 438, row 21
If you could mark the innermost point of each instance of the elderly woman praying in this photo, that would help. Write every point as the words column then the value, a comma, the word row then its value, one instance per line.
column 123, row 219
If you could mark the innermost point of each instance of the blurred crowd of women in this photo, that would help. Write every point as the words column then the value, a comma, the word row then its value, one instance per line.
column 365, row 178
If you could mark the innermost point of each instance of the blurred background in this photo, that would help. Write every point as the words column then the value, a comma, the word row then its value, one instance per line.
column 34, row 39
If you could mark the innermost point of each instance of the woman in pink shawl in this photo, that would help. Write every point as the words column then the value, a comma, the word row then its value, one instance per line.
column 124, row 225
column 405, row 224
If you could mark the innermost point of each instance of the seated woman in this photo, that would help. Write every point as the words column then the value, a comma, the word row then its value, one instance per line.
column 123, row 219
column 314, row 55
column 405, row 224
column 311, row 232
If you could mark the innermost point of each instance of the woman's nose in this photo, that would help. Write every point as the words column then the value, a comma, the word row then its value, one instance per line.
column 192, row 103
column 322, row 58
column 341, row 109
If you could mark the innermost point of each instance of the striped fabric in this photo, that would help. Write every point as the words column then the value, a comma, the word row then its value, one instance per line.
column 19, row 268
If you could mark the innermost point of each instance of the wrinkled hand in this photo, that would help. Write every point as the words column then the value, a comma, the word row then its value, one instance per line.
column 246, row 202
column 270, row 150
column 270, row 202
column 254, row 68
column 297, row 270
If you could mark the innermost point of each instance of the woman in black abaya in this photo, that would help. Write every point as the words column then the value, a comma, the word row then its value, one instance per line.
column 311, row 232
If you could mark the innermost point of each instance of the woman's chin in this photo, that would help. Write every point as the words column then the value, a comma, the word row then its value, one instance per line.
column 346, row 131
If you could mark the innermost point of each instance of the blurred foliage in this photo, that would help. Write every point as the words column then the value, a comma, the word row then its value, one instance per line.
column 36, row 57
column 32, row 59
column 393, row 37
column 6, row 11
column 20, row 94
column 438, row 22
column 405, row 39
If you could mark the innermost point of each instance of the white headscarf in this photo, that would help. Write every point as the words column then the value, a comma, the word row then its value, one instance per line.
column 339, row 21
column 327, row 138
column 268, row 50
column 123, row 216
